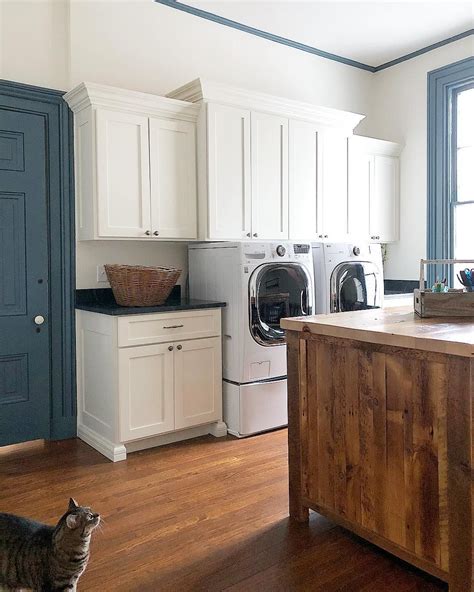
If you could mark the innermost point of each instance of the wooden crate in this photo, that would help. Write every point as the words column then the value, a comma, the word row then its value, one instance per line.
column 445, row 304
column 442, row 304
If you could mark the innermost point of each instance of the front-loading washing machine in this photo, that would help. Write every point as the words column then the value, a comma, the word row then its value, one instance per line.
column 350, row 276
column 261, row 283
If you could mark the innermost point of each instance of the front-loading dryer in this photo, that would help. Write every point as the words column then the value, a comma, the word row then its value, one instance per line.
column 261, row 283
column 352, row 276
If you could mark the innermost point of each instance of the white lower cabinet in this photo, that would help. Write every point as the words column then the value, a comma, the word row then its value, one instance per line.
column 132, row 397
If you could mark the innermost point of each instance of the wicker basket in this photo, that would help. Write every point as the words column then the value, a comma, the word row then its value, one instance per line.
column 136, row 285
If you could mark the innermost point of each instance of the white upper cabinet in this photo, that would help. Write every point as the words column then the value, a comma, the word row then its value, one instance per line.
column 269, row 147
column 334, row 185
column 135, row 165
column 269, row 167
column 228, row 172
column 304, row 181
column 173, row 179
column 374, row 190
column 123, row 174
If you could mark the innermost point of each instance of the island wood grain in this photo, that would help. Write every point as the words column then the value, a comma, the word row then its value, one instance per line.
column 385, row 446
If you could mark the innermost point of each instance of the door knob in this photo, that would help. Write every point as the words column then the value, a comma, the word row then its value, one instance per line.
column 39, row 320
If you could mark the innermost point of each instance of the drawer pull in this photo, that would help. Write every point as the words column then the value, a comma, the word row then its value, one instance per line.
column 173, row 327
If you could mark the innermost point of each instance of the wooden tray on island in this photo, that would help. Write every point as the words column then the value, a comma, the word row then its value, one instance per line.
column 442, row 304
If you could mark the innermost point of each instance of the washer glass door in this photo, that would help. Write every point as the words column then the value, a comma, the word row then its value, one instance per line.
column 276, row 291
column 355, row 286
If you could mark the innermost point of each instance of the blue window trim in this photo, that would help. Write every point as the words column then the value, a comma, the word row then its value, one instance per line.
column 443, row 86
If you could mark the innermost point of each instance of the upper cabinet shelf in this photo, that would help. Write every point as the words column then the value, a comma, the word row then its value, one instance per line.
column 135, row 165
column 269, row 167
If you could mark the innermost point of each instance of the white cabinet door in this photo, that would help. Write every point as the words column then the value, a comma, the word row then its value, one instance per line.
column 198, row 382
column 146, row 400
column 334, row 185
column 384, row 200
column 360, row 185
column 173, row 179
column 269, row 176
column 228, row 153
column 123, row 175
column 304, row 205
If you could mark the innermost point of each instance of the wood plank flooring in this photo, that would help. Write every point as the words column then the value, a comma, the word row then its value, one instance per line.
column 203, row 515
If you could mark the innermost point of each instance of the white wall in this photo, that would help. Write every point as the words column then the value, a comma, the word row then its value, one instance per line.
column 141, row 45
column 398, row 112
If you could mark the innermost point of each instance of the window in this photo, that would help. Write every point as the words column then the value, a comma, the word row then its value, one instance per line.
column 462, row 200
column 450, row 164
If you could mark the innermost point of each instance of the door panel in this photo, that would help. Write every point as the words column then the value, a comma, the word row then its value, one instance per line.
column 384, row 215
column 173, row 178
column 304, row 202
column 123, row 175
column 24, row 346
column 229, row 172
column 360, row 185
column 334, row 185
column 145, row 391
column 198, row 382
column 269, row 176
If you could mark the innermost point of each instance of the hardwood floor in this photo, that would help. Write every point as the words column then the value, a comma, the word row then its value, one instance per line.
column 203, row 515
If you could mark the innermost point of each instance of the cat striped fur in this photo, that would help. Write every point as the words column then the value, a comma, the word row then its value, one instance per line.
column 41, row 558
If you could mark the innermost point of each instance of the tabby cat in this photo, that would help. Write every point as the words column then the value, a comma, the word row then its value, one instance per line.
column 43, row 558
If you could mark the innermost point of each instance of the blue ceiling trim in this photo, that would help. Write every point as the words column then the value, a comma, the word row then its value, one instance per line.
column 265, row 35
column 423, row 50
column 210, row 16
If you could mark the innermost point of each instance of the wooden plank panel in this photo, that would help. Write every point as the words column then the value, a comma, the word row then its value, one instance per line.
column 397, row 383
column 410, row 369
column 443, row 475
column 379, row 406
column 326, row 409
column 460, row 471
column 338, row 428
column 352, row 440
column 295, row 435
column 367, row 441
column 311, row 487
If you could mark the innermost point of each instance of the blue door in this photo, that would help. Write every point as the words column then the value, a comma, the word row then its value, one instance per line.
column 24, row 317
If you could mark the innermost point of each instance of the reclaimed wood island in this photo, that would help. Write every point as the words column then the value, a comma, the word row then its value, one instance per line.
column 380, row 429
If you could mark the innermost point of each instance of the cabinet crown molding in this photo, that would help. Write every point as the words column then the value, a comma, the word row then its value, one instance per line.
column 202, row 90
column 90, row 94
column 376, row 146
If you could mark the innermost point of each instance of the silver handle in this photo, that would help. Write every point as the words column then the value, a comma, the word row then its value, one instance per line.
column 255, row 234
column 173, row 327
column 148, row 232
column 179, row 347
column 39, row 320
column 170, row 348
column 156, row 233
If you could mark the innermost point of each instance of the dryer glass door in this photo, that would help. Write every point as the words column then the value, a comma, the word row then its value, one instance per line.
column 355, row 286
column 276, row 291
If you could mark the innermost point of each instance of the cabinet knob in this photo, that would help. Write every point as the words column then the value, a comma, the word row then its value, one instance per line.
column 148, row 232
column 179, row 347
column 170, row 348
column 156, row 233
column 248, row 234
column 326, row 236
column 320, row 236
column 255, row 234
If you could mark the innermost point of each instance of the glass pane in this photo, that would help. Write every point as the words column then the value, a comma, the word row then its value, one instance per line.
column 465, row 174
column 354, row 287
column 279, row 291
column 465, row 117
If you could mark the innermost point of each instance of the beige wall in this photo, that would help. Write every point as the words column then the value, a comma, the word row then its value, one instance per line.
column 398, row 112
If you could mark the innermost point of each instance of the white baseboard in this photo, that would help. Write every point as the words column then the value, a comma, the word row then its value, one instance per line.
column 114, row 452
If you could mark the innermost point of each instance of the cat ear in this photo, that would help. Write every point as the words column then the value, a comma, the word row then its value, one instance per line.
column 71, row 521
column 72, row 504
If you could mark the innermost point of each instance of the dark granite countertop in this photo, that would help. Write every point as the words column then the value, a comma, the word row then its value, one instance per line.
column 102, row 301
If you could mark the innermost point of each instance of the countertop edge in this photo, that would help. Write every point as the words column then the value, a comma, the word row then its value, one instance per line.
column 116, row 311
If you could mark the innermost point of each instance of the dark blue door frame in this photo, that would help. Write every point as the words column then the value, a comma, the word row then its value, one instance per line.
column 60, row 186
